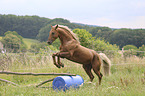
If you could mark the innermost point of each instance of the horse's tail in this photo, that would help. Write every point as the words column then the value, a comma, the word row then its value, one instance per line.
column 106, row 64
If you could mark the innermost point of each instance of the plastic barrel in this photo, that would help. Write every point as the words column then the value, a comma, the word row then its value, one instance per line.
column 66, row 82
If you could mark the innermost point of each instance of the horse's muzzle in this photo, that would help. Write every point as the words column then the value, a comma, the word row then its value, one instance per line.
column 49, row 42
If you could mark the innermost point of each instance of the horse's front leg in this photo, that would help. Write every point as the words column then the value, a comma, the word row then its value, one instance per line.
column 59, row 62
column 60, row 55
column 54, row 60
column 64, row 54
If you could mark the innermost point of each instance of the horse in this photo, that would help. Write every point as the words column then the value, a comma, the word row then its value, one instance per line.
column 106, row 64
column 71, row 49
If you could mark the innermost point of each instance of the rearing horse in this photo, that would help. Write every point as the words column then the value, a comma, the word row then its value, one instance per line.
column 71, row 49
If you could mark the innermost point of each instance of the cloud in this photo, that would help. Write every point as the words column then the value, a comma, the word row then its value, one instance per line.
column 134, row 22
column 112, row 13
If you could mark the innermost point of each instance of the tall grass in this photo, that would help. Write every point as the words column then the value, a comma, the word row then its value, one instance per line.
column 127, row 79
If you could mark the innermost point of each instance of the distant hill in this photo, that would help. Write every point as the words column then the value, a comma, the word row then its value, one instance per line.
column 26, row 26
column 38, row 28
column 29, row 26
column 87, row 25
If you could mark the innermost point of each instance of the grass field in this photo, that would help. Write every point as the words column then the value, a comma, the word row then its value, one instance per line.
column 0, row 37
column 29, row 42
column 126, row 80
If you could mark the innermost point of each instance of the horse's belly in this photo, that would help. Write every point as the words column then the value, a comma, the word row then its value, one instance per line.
column 82, row 56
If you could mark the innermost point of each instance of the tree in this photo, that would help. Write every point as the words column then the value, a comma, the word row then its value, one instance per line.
column 101, row 32
column 101, row 45
column 85, row 37
column 26, row 26
column 129, row 47
column 123, row 37
column 131, row 50
column 13, row 42
column 142, row 48
column 44, row 33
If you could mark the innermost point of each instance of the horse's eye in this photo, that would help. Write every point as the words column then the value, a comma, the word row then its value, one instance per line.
column 53, row 33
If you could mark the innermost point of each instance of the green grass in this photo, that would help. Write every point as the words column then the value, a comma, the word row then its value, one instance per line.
column 0, row 37
column 29, row 42
column 125, row 80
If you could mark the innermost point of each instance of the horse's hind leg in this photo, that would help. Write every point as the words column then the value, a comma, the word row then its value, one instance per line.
column 88, row 68
column 96, row 64
column 98, row 73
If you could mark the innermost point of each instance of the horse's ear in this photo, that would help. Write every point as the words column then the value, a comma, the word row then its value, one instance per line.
column 56, row 27
column 51, row 26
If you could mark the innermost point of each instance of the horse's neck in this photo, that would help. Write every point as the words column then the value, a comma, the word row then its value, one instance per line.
column 64, row 37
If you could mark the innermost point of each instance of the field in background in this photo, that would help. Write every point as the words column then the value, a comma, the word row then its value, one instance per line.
column 127, row 78
column 29, row 42
column 0, row 37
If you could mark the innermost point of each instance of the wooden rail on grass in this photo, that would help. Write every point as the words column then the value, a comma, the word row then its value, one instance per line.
column 36, row 74
column 8, row 82
column 45, row 82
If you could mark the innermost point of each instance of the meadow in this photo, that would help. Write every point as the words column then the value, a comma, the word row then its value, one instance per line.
column 29, row 42
column 127, row 76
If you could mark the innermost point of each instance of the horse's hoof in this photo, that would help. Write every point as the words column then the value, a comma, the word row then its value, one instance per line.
column 62, row 65
column 58, row 66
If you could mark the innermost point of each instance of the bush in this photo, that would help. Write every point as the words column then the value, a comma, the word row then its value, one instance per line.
column 13, row 42
column 131, row 50
column 128, row 47
column 142, row 48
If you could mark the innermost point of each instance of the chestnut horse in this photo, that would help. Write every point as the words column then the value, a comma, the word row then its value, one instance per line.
column 71, row 49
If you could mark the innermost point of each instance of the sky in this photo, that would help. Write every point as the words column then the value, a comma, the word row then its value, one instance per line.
column 109, row 13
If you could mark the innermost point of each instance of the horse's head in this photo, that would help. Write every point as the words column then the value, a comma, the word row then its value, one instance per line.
column 53, row 34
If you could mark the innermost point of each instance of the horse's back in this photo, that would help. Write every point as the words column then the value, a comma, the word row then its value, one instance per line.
column 83, row 55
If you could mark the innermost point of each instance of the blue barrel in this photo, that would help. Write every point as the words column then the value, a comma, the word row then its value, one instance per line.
column 66, row 82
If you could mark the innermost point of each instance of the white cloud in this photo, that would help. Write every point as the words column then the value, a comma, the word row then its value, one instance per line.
column 134, row 22
column 111, row 13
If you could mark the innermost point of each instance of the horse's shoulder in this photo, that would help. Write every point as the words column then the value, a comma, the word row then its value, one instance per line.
column 71, row 45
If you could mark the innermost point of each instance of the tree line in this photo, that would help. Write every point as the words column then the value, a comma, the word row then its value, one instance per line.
column 39, row 27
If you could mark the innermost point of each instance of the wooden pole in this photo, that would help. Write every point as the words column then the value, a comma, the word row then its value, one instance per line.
column 36, row 74
column 8, row 82
column 45, row 82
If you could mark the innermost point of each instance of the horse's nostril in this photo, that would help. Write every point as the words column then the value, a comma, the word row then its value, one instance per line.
column 49, row 42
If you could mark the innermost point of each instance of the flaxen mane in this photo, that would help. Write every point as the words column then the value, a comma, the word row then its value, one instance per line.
column 70, row 32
